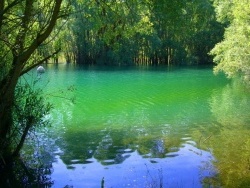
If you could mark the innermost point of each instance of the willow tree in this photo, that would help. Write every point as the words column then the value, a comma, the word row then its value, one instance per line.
column 24, row 27
column 232, row 54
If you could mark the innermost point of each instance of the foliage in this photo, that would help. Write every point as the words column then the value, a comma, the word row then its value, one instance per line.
column 229, row 142
column 30, row 110
column 232, row 54
column 141, row 32
column 25, row 28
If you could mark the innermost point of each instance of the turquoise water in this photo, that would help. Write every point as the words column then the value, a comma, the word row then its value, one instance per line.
column 140, row 126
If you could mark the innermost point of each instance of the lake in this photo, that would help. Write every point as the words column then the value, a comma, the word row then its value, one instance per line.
column 145, row 127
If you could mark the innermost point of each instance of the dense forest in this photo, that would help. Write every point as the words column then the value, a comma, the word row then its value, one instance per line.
column 109, row 32
column 148, row 32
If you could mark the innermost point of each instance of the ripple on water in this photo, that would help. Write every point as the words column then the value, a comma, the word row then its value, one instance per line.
column 133, row 118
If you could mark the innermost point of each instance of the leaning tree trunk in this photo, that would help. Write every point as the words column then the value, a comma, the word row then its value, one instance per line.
column 7, row 93
column 26, row 47
column 5, row 125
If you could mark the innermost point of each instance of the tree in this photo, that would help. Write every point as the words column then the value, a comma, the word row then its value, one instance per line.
column 232, row 53
column 137, row 32
column 24, row 27
column 101, row 31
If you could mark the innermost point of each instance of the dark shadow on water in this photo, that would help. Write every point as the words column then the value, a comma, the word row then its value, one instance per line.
column 21, row 174
column 33, row 167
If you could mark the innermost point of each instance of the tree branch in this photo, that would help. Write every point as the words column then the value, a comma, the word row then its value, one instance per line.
column 39, row 62
column 4, row 10
column 23, row 137
column 42, row 36
column 20, row 38
column 1, row 13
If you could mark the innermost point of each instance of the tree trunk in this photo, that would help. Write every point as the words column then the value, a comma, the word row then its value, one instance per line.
column 6, row 103
column 25, row 133
column 6, row 124
column 20, row 58
column 7, row 88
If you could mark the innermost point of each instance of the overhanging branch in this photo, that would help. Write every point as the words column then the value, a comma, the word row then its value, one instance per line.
column 39, row 62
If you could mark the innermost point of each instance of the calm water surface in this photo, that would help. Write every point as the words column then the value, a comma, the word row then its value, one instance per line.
column 144, row 127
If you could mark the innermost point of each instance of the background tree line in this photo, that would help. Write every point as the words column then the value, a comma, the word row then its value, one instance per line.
column 149, row 32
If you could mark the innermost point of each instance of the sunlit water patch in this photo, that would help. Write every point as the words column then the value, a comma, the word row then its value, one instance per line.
column 136, row 127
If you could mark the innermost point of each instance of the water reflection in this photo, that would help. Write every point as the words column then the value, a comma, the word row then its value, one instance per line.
column 228, row 137
column 134, row 129
column 193, row 165
column 34, row 167
column 126, row 157
column 20, row 174
column 113, row 146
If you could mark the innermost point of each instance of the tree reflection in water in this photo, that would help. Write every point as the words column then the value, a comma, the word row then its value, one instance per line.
column 33, row 168
column 113, row 147
column 229, row 138
column 20, row 174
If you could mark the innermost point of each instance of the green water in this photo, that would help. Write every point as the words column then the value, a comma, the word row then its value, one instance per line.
column 146, row 127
